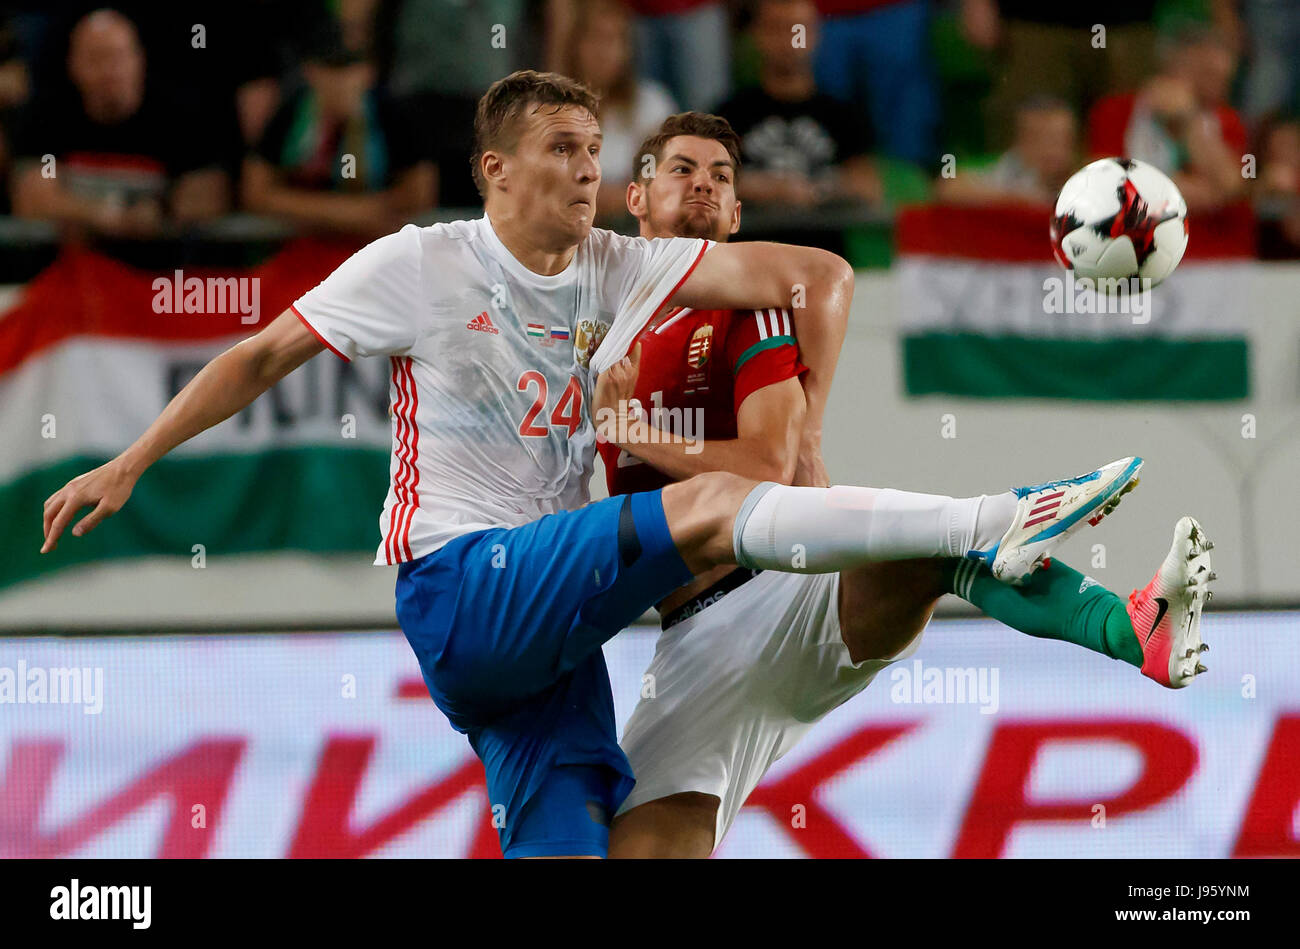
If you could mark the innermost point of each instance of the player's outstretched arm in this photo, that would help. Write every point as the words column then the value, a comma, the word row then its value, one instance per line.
column 817, row 288
column 223, row 387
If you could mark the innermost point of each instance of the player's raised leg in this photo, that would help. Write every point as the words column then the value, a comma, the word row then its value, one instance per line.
column 884, row 606
column 1157, row 629
column 719, row 518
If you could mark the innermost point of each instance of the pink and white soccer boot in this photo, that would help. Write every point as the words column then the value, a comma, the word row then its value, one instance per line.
column 1166, row 614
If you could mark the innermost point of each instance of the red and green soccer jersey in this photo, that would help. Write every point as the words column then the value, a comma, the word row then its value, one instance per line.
column 697, row 367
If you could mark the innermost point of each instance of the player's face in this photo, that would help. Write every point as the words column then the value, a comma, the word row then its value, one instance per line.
column 693, row 193
column 549, row 183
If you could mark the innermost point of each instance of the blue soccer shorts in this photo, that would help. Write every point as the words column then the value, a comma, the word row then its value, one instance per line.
column 507, row 625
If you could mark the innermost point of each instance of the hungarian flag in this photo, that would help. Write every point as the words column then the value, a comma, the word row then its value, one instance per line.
column 89, row 356
column 986, row 312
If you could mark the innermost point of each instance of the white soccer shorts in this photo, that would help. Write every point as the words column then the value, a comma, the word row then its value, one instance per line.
column 732, row 688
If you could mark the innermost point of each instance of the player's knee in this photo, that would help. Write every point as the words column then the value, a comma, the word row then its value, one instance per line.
column 871, row 638
column 884, row 606
column 721, row 492
column 701, row 513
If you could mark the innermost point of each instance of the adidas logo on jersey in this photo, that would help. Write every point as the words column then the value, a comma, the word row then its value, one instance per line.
column 482, row 323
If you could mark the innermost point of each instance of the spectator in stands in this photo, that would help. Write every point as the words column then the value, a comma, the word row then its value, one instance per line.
column 112, row 156
column 247, row 48
column 1042, row 156
column 1272, row 82
column 599, row 52
column 1055, row 48
column 14, row 86
column 335, row 157
column 1277, row 189
column 1279, row 159
column 221, row 58
column 685, row 45
column 800, row 146
column 1180, row 120
column 875, row 54
column 14, row 81
column 452, row 47
column 436, row 58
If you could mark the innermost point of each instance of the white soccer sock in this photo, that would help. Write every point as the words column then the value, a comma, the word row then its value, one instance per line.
column 824, row 530
column 996, row 512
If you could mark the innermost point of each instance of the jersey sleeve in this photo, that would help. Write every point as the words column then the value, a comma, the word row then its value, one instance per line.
column 641, row 274
column 761, row 349
column 370, row 304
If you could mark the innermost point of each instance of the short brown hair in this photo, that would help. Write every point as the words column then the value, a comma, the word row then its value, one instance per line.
column 699, row 124
column 496, row 121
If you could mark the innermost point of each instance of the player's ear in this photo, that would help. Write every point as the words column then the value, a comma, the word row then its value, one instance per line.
column 635, row 199
column 735, row 219
column 493, row 167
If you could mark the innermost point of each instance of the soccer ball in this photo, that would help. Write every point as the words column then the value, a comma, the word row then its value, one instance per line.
column 1119, row 218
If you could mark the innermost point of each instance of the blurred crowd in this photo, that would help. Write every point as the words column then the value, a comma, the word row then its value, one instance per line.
column 356, row 115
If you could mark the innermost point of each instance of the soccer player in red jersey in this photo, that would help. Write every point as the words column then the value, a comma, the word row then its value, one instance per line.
column 749, row 659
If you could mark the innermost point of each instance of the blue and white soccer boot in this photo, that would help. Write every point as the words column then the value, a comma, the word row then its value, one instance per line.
column 1049, row 513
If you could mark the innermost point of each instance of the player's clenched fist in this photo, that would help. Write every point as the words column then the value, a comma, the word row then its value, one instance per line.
column 107, row 488
column 612, row 402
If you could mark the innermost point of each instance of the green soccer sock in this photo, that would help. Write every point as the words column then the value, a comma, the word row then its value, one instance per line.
column 1057, row 602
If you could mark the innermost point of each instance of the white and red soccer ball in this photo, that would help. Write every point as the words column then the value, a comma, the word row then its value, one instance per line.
column 1119, row 218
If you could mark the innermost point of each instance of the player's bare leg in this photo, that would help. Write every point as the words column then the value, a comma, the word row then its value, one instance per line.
column 678, row 826
column 701, row 514
column 884, row 606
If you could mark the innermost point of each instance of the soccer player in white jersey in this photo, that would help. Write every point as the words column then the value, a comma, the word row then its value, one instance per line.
column 748, row 661
column 508, row 581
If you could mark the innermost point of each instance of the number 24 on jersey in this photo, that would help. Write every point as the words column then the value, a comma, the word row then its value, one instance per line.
column 567, row 412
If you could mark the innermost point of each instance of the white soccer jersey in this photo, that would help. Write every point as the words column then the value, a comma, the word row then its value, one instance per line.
column 492, row 366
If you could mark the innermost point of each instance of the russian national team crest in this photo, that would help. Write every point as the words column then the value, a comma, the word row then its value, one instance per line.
column 588, row 339
column 697, row 353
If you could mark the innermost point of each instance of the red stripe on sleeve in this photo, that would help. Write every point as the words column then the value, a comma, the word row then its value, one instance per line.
column 685, row 277
column 315, row 333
